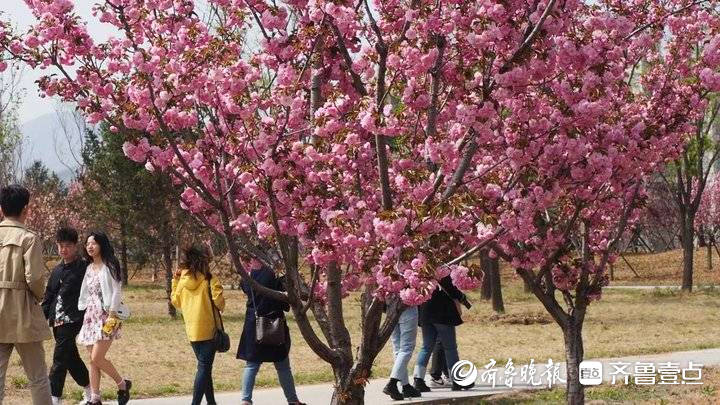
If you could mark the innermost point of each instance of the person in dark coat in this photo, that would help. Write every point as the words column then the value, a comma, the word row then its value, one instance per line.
column 438, row 318
column 254, row 353
column 60, row 306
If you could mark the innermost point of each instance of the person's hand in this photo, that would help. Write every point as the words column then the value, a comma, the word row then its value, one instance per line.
column 458, row 306
column 177, row 273
column 465, row 302
column 110, row 325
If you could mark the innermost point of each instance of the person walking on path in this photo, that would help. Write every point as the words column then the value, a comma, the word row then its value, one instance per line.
column 438, row 318
column 60, row 306
column 403, row 340
column 23, row 326
column 193, row 287
column 255, row 353
column 101, row 299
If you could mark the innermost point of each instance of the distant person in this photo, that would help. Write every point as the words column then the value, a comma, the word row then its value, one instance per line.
column 403, row 340
column 438, row 318
column 101, row 299
column 255, row 353
column 23, row 326
column 61, row 310
column 192, row 287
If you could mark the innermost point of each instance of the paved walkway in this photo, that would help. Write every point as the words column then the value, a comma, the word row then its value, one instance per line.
column 642, row 287
column 659, row 287
column 320, row 394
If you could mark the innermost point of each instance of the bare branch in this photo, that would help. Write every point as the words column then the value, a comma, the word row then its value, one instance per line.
column 357, row 82
column 672, row 13
column 527, row 43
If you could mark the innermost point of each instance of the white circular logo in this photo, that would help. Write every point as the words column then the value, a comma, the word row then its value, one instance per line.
column 464, row 373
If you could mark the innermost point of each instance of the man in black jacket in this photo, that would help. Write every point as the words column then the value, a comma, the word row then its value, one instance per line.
column 61, row 309
column 438, row 318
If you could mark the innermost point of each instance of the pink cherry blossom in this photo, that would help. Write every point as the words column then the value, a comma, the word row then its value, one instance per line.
column 376, row 154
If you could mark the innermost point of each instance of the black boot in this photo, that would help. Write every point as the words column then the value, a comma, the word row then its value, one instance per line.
column 456, row 387
column 391, row 389
column 420, row 385
column 123, row 396
column 410, row 392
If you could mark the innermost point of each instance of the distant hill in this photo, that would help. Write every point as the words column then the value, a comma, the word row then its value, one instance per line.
column 44, row 139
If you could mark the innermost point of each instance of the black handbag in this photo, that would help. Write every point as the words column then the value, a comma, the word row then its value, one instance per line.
column 220, row 338
column 269, row 330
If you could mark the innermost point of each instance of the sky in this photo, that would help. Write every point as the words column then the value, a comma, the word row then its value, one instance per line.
column 44, row 136
column 16, row 11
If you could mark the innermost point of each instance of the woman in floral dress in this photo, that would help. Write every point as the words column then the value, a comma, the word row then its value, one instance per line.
column 101, row 298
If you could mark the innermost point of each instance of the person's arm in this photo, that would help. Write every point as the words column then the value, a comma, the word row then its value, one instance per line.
column 116, row 298
column 35, row 269
column 51, row 292
column 450, row 289
column 82, row 298
column 216, row 289
column 280, row 286
column 175, row 294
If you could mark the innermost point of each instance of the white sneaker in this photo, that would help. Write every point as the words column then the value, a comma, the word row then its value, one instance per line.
column 439, row 383
column 56, row 401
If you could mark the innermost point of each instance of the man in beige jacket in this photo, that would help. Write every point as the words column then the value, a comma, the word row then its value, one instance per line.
column 22, row 283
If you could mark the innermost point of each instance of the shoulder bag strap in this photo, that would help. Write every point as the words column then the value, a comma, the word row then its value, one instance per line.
column 252, row 297
column 214, row 308
column 13, row 226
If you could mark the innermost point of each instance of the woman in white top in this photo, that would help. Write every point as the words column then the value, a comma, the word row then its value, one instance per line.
column 101, row 299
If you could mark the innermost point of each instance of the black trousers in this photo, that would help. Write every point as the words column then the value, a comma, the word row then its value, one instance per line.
column 205, row 353
column 66, row 358
column 438, row 367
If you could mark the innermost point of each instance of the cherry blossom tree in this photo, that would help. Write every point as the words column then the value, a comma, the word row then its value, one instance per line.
column 689, row 173
column 571, row 196
column 659, row 223
column 10, row 135
column 370, row 147
column 50, row 208
column 708, row 217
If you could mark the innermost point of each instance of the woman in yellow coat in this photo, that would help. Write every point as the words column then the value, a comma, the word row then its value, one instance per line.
column 192, row 287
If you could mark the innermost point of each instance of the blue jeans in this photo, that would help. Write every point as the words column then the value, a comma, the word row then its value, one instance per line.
column 205, row 353
column 431, row 333
column 403, row 341
column 284, row 375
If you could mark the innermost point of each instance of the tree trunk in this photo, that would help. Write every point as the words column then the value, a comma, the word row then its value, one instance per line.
column 709, row 256
column 495, row 286
column 688, row 236
column 348, row 391
column 351, row 377
column 168, row 264
column 123, row 255
column 573, row 356
column 701, row 241
column 486, row 287
column 571, row 325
